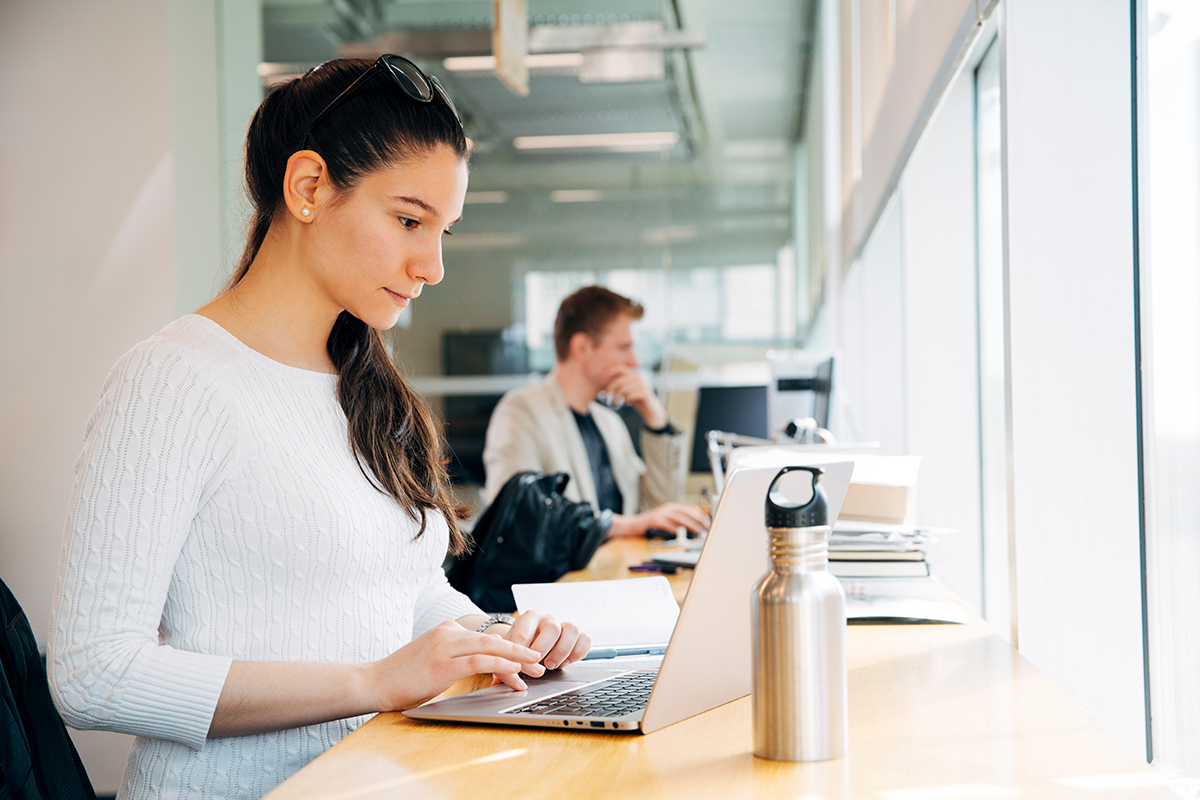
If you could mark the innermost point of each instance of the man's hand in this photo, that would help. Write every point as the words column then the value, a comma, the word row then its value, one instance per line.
column 628, row 387
column 667, row 517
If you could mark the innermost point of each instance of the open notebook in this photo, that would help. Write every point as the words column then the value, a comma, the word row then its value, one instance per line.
column 707, row 661
column 630, row 617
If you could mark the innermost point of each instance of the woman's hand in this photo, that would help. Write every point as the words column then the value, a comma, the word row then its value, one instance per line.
column 559, row 643
column 429, row 664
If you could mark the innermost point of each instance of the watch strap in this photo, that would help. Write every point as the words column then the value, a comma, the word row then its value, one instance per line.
column 495, row 619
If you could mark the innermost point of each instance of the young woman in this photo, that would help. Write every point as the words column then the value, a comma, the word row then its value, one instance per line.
column 253, row 546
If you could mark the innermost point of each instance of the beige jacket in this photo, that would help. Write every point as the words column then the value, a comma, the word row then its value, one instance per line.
column 533, row 429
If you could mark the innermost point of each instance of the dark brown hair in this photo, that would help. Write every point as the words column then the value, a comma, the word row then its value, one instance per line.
column 589, row 310
column 391, row 431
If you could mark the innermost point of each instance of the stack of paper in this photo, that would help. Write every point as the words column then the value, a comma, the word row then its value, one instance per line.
column 885, row 575
column 881, row 559
column 876, row 549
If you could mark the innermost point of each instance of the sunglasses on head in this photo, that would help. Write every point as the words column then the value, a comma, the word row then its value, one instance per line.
column 402, row 74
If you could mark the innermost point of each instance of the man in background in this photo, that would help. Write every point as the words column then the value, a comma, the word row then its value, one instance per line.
column 560, row 425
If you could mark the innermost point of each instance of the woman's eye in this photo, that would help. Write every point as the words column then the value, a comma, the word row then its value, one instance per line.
column 409, row 223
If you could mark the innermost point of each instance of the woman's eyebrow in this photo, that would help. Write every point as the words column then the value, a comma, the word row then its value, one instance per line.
column 415, row 201
column 419, row 203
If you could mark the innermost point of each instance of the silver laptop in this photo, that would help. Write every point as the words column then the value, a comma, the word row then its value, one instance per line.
column 707, row 662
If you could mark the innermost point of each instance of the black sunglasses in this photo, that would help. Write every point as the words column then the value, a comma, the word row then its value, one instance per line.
column 403, row 74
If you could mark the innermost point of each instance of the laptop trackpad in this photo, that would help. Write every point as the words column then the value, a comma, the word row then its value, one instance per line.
column 494, row 698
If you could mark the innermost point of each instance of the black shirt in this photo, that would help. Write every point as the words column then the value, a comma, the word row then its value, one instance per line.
column 608, row 496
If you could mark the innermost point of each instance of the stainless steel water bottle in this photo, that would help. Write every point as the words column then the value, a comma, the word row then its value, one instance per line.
column 799, row 630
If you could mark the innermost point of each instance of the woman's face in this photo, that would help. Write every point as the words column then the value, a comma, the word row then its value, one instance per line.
column 376, row 248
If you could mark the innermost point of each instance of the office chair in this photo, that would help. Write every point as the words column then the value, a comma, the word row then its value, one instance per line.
column 38, row 760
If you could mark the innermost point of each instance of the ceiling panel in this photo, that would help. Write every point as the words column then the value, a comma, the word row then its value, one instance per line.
column 560, row 104
column 735, row 104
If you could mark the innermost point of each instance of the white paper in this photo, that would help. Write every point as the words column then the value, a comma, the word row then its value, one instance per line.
column 903, row 608
column 620, row 613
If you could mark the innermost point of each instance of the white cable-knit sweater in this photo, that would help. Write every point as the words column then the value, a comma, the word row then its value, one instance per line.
column 218, row 513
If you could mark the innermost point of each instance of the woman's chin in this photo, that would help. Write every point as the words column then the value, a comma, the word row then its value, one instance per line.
column 379, row 320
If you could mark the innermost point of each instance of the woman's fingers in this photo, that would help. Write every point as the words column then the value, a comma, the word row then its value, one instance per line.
column 484, row 645
column 524, row 629
column 564, row 646
column 583, row 646
column 558, row 643
column 504, row 659
column 510, row 679
column 548, row 632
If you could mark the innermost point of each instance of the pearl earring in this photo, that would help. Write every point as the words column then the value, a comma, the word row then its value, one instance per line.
column 305, row 211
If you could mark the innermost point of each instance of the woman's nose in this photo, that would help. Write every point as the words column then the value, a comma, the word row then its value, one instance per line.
column 427, row 266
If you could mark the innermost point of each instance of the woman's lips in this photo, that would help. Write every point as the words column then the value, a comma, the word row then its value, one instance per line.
column 400, row 299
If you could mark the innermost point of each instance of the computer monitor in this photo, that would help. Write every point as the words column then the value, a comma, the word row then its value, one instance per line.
column 489, row 352
column 732, row 409
column 819, row 384
column 803, row 384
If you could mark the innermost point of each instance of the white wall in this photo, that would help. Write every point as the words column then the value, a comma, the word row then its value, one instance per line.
column 85, row 261
column 1066, row 92
column 85, row 249
column 94, row 158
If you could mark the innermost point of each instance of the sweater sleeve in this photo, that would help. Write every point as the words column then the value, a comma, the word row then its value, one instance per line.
column 159, row 442
column 438, row 602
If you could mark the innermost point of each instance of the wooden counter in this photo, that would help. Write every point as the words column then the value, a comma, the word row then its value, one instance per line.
column 937, row 712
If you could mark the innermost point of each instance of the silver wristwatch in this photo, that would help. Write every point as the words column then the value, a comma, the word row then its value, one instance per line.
column 494, row 619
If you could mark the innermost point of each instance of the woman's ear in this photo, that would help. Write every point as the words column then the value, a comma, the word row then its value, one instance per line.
column 306, row 172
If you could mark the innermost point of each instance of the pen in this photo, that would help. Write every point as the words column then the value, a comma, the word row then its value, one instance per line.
column 666, row 569
column 613, row 652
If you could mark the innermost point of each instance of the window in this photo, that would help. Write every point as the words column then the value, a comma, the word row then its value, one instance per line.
column 1169, row 210
column 739, row 304
column 992, row 416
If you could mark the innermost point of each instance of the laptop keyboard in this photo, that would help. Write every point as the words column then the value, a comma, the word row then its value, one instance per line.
column 615, row 697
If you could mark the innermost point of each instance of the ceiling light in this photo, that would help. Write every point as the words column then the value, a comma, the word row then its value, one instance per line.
column 670, row 233
column 613, row 142
column 576, row 195
column 532, row 61
column 756, row 149
column 622, row 66
column 470, row 63
column 480, row 198
column 483, row 240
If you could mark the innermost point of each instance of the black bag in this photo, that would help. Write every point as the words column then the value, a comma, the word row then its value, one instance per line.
column 529, row 534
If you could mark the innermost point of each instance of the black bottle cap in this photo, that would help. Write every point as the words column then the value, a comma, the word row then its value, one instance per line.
column 783, row 513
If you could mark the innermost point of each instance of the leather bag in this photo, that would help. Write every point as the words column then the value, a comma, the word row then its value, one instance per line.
column 529, row 534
